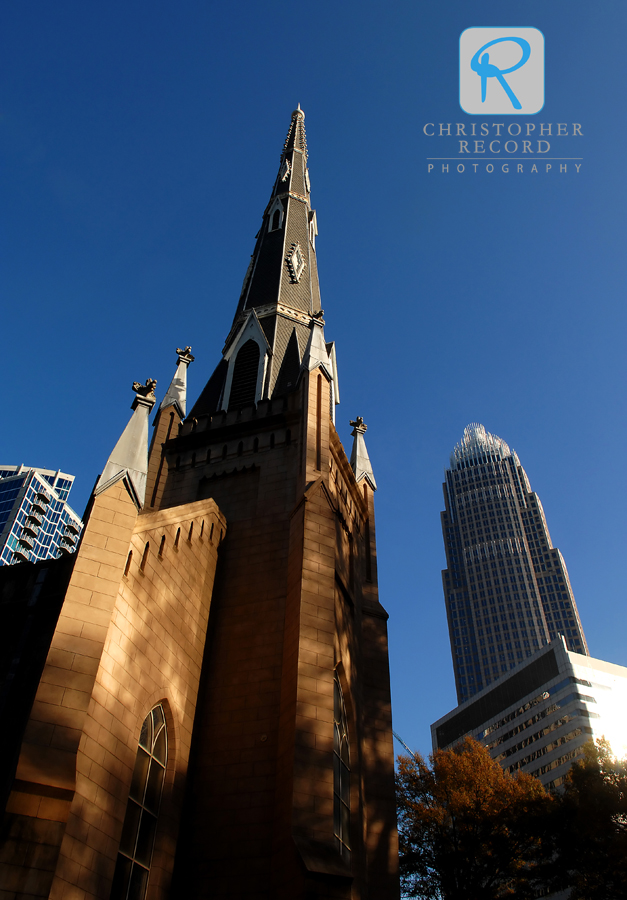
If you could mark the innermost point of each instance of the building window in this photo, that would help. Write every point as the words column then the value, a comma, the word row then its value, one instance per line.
column 245, row 372
column 140, row 822
column 341, row 773
column 276, row 214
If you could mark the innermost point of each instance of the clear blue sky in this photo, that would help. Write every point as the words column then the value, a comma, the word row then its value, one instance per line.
column 139, row 144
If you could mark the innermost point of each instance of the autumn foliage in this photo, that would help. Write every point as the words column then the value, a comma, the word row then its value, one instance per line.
column 469, row 830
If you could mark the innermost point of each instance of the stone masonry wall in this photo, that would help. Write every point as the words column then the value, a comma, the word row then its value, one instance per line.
column 124, row 641
column 153, row 653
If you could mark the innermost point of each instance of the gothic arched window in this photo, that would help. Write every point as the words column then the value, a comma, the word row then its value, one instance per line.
column 276, row 216
column 140, row 822
column 341, row 773
column 245, row 370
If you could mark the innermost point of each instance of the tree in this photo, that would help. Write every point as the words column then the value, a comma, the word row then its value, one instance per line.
column 591, row 827
column 468, row 830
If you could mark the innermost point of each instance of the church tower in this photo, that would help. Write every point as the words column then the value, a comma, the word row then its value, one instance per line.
column 253, row 738
column 290, row 788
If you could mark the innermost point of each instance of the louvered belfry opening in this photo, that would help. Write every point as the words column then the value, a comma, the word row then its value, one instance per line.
column 244, row 384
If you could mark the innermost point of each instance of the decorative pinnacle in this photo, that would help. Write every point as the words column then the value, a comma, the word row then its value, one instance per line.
column 299, row 112
column 129, row 457
column 185, row 355
column 358, row 426
column 146, row 390
column 360, row 461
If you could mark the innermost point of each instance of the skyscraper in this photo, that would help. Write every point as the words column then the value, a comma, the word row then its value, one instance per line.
column 36, row 521
column 506, row 586
column 538, row 717
column 211, row 713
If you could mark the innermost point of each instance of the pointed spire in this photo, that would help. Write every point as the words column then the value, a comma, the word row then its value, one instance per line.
column 177, row 392
column 360, row 461
column 281, row 285
column 296, row 137
column 129, row 457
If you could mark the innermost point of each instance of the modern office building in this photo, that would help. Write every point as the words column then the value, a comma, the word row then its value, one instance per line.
column 506, row 586
column 36, row 521
column 206, row 680
column 538, row 717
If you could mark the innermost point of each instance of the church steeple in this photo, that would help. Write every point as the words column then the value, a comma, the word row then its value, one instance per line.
column 280, row 298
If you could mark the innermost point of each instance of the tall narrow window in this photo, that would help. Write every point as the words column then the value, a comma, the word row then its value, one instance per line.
column 341, row 774
column 140, row 822
column 245, row 371
column 319, row 423
column 368, row 552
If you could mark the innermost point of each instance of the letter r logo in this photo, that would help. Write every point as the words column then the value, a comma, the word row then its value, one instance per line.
column 501, row 71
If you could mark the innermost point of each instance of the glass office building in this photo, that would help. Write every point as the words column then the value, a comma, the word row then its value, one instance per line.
column 506, row 586
column 36, row 521
column 538, row 717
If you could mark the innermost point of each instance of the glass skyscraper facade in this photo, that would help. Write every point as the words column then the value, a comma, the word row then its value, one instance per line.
column 507, row 588
column 36, row 521
column 539, row 717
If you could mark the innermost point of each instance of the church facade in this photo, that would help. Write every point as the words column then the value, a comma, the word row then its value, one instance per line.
column 201, row 693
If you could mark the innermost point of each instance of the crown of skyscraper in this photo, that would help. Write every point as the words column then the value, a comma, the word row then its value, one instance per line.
column 478, row 444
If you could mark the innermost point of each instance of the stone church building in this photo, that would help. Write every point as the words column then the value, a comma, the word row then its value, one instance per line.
column 196, row 704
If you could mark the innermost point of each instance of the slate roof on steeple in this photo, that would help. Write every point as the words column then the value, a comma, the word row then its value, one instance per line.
column 281, row 283
column 270, row 280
